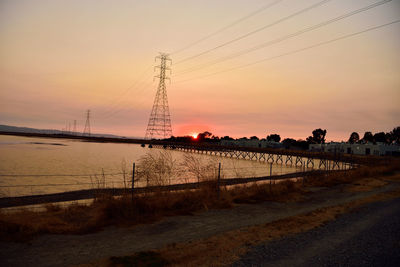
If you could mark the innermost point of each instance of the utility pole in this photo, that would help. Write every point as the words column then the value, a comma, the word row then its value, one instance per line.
column 74, row 127
column 86, row 130
column 159, row 125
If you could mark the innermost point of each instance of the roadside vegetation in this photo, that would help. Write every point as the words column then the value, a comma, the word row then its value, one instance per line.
column 148, row 207
column 226, row 248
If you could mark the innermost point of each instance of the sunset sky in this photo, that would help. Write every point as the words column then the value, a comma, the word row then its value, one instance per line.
column 60, row 58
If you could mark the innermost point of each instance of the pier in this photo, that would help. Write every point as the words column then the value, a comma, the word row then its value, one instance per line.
column 306, row 159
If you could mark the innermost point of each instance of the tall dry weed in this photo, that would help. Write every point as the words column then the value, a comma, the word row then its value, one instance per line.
column 389, row 167
column 199, row 168
column 125, row 172
column 157, row 168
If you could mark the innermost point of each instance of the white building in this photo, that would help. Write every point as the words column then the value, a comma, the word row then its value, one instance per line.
column 251, row 143
column 378, row 149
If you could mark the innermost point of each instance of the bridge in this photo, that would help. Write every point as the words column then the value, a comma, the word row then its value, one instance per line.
column 315, row 160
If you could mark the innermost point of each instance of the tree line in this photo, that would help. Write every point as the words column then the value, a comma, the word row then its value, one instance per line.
column 392, row 137
column 318, row 136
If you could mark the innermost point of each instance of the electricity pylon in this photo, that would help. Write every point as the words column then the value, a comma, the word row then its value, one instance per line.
column 159, row 125
column 74, row 131
column 86, row 130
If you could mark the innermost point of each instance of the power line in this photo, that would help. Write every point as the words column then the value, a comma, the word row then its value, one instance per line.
column 140, row 86
column 286, row 37
column 293, row 52
column 254, row 31
column 227, row 26
column 134, row 85
column 121, row 107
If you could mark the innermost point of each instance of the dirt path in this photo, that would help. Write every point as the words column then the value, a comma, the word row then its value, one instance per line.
column 6, row 202
column 66, row 250
column 367, row 237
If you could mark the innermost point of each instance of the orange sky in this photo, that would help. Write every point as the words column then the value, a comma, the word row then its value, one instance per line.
column 60, row 58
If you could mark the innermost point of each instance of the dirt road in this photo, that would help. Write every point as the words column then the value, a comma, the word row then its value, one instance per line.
column 368, row 237
column 67, row 250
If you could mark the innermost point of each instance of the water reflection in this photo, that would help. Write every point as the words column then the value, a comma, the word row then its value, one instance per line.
column 41, row 165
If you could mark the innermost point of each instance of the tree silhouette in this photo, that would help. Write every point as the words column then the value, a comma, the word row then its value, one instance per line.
column 214, row 137
column 354, row 138
column 380, row 137
column 203, row 136
column 274, row 138
column 288, row 142
column 368, row 137
column 318, row 137
column 395, row 135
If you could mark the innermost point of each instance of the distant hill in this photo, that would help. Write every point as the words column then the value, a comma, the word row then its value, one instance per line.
column 8, row 128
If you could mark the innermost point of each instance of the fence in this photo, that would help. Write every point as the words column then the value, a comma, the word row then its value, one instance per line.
column 138, row 180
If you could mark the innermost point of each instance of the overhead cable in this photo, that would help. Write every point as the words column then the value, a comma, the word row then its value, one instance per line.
column 226, row 27
column 134, row 85
column 283, row 38
column 293, row 52
column 254, row 31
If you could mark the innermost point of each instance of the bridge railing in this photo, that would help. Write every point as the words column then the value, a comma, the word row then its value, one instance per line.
column 348, row 158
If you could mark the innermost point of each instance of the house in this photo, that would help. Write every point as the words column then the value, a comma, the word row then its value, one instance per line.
column 251, row 143
column 378, row 149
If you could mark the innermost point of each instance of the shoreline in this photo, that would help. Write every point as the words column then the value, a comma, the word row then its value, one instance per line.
column 8, row 202
column 79, row 137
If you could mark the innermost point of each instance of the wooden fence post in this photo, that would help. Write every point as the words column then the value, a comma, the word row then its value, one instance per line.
column 270, row 179
column 219, row 178
column 133, row 179
column 270, row 169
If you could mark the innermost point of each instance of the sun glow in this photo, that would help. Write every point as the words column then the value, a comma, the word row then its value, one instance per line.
column 194, row 135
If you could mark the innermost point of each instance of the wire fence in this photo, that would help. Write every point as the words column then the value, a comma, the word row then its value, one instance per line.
column 59, row 175
column 163, row 174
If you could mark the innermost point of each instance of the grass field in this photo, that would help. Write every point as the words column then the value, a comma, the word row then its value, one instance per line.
column 149, row 207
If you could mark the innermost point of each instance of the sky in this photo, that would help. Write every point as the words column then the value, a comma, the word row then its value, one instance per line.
column 59, row 58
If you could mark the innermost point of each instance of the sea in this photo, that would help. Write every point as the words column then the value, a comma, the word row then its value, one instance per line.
column 35, row 166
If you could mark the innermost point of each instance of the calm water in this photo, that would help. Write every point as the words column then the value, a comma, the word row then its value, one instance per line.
column 33, row 157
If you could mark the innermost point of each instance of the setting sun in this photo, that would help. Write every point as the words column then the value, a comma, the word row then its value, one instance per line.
column 194, row 135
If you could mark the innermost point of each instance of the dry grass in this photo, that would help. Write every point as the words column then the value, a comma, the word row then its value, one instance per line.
column 149, row 207
column 330, row 179
column 107, row 210
column 366, row 184
column 285, row 191
column 145, row 208
column 392, row 178
column 226, row 248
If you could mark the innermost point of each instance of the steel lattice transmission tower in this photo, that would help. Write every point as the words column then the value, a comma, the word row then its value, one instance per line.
column 160, row 119
column 86, row 130
column 74, row 132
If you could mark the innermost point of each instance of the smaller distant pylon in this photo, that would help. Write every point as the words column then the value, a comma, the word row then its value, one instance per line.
column 86, row 130
column 74, row 127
